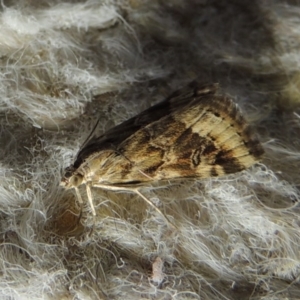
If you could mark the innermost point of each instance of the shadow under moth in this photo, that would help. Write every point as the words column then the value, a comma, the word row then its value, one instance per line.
column 194, row 133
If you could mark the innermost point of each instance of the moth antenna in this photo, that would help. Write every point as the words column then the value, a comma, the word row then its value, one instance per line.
column 89, row 136
column 90, row 198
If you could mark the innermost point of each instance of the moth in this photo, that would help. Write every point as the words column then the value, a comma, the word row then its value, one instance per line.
column 196, row 132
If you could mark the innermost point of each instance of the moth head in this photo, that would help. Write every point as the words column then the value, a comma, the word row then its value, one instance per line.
column 71, row 178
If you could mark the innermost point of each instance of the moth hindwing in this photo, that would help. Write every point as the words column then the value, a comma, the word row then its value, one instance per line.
column 195, row 132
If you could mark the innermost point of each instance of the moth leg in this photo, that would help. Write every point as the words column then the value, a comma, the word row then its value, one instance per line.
column 79, row 198
column 78, row 195
column 90, row 198
column 135, row 190
column 145, row 174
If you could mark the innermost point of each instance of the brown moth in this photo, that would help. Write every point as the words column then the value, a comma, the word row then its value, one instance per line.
column 195, row 132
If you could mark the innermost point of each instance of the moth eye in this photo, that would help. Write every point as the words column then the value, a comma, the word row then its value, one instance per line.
column 69, row 172
column 76, row 180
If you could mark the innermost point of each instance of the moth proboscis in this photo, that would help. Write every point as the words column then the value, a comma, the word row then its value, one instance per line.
column 194, row 133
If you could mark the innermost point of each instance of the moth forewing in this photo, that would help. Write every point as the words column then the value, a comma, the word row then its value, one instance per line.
column 195, row 132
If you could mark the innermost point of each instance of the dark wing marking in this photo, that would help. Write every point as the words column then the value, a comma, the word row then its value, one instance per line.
column 206, row 137
column 113, row 137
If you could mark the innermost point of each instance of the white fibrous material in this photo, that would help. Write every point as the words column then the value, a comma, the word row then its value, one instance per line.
column 67, row 64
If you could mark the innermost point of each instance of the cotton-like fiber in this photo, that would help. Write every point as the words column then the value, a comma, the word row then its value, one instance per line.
column 67, row 64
